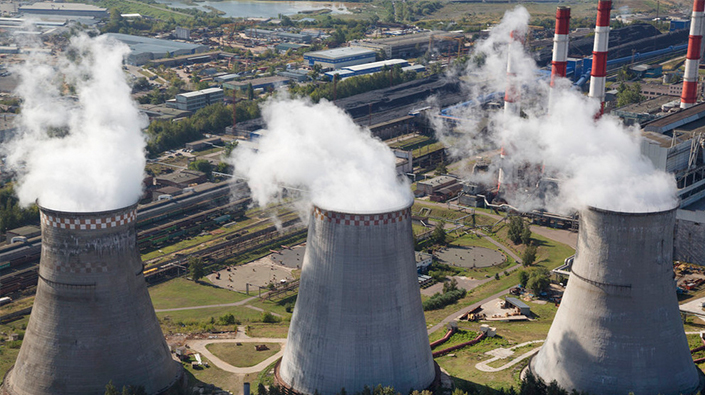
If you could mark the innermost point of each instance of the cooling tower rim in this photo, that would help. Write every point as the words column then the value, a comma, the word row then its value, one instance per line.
column 106, row 213
column 388, row 210
column 632, row 213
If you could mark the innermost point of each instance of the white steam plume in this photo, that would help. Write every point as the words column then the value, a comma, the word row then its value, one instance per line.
column 84, row 154
column 597, row 162
column 319, row 149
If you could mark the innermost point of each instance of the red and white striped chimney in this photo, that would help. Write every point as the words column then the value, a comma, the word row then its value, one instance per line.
column 559, row 63
column 599, row 54
column 512, row 94
column 690, row 78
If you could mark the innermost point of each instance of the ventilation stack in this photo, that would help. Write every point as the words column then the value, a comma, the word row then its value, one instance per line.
column 512, row 96
column 559, row 63
column 690, row 78
column 618, row 329
column 358, row 319
column 599, row 54
column 92, row 321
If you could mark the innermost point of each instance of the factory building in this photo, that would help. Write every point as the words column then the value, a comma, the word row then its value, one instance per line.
column 192, row 101
column 182, row 33
column 413, row 45
column 145, row 49
column 618, row 329
column 367, row 68
column 64, row 9
column 689, row 243
column 674, row 144
column 358, row 319
column 263, row 34
column 339, row 58
column 92, row 321
column 257, row 83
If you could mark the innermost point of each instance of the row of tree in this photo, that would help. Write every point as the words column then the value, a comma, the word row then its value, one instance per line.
column 11, row 214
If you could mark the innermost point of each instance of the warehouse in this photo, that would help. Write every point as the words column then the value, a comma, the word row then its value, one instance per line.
column 412, row 45
column 340, row 57
column 64, row 9
column 145, row 49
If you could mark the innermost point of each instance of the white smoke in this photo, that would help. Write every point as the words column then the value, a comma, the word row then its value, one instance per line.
column 318, row 149
column 597, row 163
column 80, row 154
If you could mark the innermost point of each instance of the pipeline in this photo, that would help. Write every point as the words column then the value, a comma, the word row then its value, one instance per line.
column 459, row 346
column 444, row 338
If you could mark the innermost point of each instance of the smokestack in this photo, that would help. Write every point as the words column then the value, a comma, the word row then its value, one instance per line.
column 559, row 63
column 690, row 78
column 512, row 96
column 618, row 329
column 599, row 54
column 358, row 318
column 92, row 321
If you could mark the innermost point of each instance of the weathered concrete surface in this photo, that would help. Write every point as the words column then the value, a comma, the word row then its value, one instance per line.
column 618, row 329
column 358, row 318
column 689, row 245
column 92, row 320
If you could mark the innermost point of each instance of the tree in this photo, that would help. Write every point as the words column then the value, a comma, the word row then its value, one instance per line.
column 202, row 165
column 628, row 94
column 110, row 389
column 196, row 268
column 441, row 168
column 529, row 255
column 516, row 226
column 451, row 285
column 523, row 278
column 539, row 281
column 496, row 276
column 439, row 234
column 262, row 390
column 526, row 235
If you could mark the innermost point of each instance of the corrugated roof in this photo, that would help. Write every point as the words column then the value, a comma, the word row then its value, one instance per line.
column 340, row 52
column 517, row 303
column 673, row 121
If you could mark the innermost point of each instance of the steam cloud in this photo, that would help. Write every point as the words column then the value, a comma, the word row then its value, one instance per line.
column 84, row 154
column 596, row 163
column 319, row 149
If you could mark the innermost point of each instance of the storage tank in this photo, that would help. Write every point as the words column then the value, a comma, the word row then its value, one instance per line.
column 358, row 319
column 92, row 321
column 618, row 328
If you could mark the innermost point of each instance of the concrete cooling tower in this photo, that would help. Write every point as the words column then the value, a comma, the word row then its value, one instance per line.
column 92, row 320
column 358, row 318
column 618, row 329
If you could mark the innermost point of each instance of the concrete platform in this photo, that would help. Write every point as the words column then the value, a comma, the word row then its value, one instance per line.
column 470, row 257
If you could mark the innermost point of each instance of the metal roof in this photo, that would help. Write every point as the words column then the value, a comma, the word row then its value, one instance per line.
column 362, row 67
column 517, row 303
column 201, row 92
column 340, row 53
column 673, row 121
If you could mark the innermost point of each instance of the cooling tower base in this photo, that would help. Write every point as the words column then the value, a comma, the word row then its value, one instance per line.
column 177, row 386
column 436, row 384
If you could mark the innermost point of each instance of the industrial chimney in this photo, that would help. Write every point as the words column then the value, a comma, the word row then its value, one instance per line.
column 559, row 62
column 358, row 319
column 512, row 95
column 692, row 59
column 618, row 328
column 92, row 321
column 599, row 54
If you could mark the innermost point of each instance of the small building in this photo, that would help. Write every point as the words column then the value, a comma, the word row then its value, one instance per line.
column 524, row 308
column 192, row 101
column 226, row 78
column 679, row 24
column 294, row 75
column 182, row 33
column 257, row 83
column 283, row 47
column 428, row 187
column 204, row 144
column 182, row 179
column 163, row 112
column 28, row 232
column 423, row 261
column 340, row 57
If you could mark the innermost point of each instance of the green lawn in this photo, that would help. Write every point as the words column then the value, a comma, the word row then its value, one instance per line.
column 199, row 320
column 280, row 330
column 244, row 355
column 9, row 351
column 180, row 292
column 218, row 377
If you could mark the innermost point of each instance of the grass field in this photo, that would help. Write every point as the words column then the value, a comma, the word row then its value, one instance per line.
column 280, row 330
column 218, row 377
column 244, row 355
column 9, row 350
column 180, row 292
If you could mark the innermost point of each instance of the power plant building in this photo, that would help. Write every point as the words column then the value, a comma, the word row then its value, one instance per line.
column 145, row 49
column 92, row 321
column 618, row 329
column 358, row 319
column 339, row 58
column 192, row 101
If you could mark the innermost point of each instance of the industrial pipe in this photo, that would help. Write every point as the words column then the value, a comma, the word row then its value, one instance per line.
column 599, row 54
column 690, row 77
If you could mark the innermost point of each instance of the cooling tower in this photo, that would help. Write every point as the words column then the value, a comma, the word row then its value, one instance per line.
column 618, row 328
column 358, row 318
column 92, row 320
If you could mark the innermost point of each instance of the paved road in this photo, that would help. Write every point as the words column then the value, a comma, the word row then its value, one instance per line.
column 467, row 309
column 240, row 303
column 199, row 345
